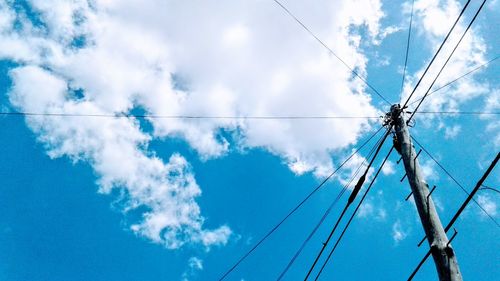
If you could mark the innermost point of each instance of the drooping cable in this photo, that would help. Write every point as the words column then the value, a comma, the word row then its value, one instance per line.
column 484, row 187
column 436, row 54
column 447, row 60
column 331, row 51
column 353, row 195
column 327, row 212
column 471, row 195
column 240, row 260
column 354, row 213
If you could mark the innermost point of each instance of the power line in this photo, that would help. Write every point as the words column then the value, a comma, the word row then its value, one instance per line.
column 460, row 210
column 144, row 116
column 353, row 214
column 296, row 207
column 448, row 59
column 419, row 265
column 407, row 48
column 456, row 79
column 327, row 241
column 471, row 195
column 327, row 212
column 457, row 112
column 435, row 55
column 454, row 180
column 320, row 222
column 353, row 195
column 330, row 50
column 308, row 238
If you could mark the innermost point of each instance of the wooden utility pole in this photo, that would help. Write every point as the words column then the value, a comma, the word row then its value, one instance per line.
column 442, row 252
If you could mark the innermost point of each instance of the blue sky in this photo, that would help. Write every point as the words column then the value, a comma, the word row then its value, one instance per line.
column 89, row 198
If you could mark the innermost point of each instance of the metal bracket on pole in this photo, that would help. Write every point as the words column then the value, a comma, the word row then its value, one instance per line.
column 432, row 190
column 411, row 193
column 452, row 237
column 423, row 239
column 401, row 180
column 418, row 153
column 408, row 197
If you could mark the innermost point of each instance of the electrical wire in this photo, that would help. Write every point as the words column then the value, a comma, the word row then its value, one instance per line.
column 144, row 116
column 435, row 55
column 447, row 60
column 316, row 227
column 353, row 195
column 457, row 112
column 456, row 79
column 407, row 48
column 330, row 50
column 327, row 212
column 354, row 213
column 308, row 238
column 296, row 207
column 460, row 210
column 454, row 180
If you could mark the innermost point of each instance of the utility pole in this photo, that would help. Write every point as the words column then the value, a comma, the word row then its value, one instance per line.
column 441, row 250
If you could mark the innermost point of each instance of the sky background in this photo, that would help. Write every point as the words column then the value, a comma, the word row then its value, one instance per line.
column 94, row 198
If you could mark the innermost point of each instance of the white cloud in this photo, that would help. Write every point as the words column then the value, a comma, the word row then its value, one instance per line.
column 236, row 36
column 180, row 58
column 195, row 264
column 352, row 170
column 369, row 210
column 386, row 32
column 218, row 58
column 437, row 202
column 388, row 168
column 428, row 170
column 492, row 104
column 492, row 4
column 432, row 21
column 384, row 61
column 488, row 204
column 116, row 148
column 381, row 214
column 373, row 208
column 365, row 210
column 452, row 132
column 398, row 233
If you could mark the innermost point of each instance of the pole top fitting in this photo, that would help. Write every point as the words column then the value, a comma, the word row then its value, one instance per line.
column 392, row 115
column 395, row 110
